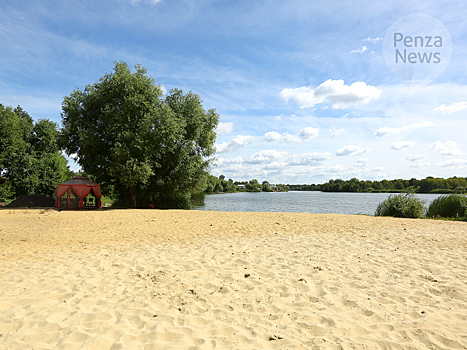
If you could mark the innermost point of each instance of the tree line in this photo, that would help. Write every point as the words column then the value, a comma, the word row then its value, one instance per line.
column 427, row 185
column 220, row 184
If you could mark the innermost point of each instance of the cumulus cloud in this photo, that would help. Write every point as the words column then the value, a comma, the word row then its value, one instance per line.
column 352, row 150
column 453, row 163
column 271, row 159
column 338, row 168
column 163, row 88
column 402, row 145
column 335, row 92
column 234, row 160
column 309, row 133
column 416, row 157
column 268, row 156
column 224, row 128
column 274, row 136
column 362, row 162
column 456, row 107
column 448, row 148
column 238, row 142
column 337, row 133
column 419, row 164
column 305, row 135
column 412, row 127
column 312, row 158
column 360, row 50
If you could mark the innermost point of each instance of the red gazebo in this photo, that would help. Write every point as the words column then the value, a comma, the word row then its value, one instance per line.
column 77, row 189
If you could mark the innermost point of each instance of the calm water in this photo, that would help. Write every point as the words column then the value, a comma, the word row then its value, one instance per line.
column 303, row 201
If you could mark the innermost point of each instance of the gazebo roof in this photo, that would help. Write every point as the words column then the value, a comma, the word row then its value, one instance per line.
column 79, row 180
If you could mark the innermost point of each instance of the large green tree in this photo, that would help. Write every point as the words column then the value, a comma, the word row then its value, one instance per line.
column 152, row 149
column 30, row 158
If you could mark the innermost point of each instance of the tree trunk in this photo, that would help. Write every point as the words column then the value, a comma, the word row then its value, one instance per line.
column 133, row 196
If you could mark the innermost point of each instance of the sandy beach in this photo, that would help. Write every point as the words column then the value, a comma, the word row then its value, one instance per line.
column 149, row 279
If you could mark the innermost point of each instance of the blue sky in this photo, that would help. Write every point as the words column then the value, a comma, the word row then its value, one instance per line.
column 304, row 89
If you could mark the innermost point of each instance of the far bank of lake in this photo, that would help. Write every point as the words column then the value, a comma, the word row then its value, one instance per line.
column 301, row 201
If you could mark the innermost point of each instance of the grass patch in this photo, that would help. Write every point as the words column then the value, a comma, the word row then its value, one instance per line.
column 403, row 205
column 448, row 206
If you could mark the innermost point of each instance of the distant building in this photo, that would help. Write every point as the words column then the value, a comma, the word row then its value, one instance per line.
column 272, row 186
column 241, row 187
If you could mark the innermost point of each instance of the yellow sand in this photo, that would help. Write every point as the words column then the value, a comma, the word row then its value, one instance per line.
column 149, row 279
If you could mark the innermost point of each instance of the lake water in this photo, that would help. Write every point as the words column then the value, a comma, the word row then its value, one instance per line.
column 301, row 201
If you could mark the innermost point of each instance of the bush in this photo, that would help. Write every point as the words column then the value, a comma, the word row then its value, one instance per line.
column 448, row 206
column 402, row 205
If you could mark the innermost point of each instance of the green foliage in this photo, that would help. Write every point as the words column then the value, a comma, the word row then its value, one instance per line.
column 282, row 188
column 265, row 187
column 428, row 185
column 253, row 186
column 403, row 205
column 197, row 198
column 30, row 157
column 448, row 206
column 107, row 201
column 150, row 149
column 7, row 191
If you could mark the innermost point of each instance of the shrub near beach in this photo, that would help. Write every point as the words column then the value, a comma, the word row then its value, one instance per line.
column 448, row 206
column 403, row 205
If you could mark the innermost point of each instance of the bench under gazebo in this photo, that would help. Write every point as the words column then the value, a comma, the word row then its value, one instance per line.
column 78, row 193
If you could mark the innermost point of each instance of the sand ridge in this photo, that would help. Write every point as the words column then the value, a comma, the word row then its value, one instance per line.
column 149, row 279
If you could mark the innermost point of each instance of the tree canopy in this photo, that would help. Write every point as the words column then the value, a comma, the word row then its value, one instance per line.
column 151, row 148
column 30, row 157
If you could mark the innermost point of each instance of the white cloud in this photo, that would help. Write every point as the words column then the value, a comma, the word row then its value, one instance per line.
column 234, row 160
column 163, row 88
column 306, row 134
column 352, row 150
column 402, row 145
column 448, row 148
column 309, row 158
column 337, row 133
column 274, row 136
column 416, row 157
column 456, row 107
column 275, row 166
column 419, row 164
column 225, row 128
column 332, row 91
column 238, row 142
column 338, row 168
column 362, row 162
column 453, row 163
column 373, row 40
column 268, row 156
column 412, row 127
column 152, row 2
column 360, row 50
column 309, row 133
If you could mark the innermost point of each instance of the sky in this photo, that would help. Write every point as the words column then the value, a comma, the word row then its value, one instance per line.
column 306, row 91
